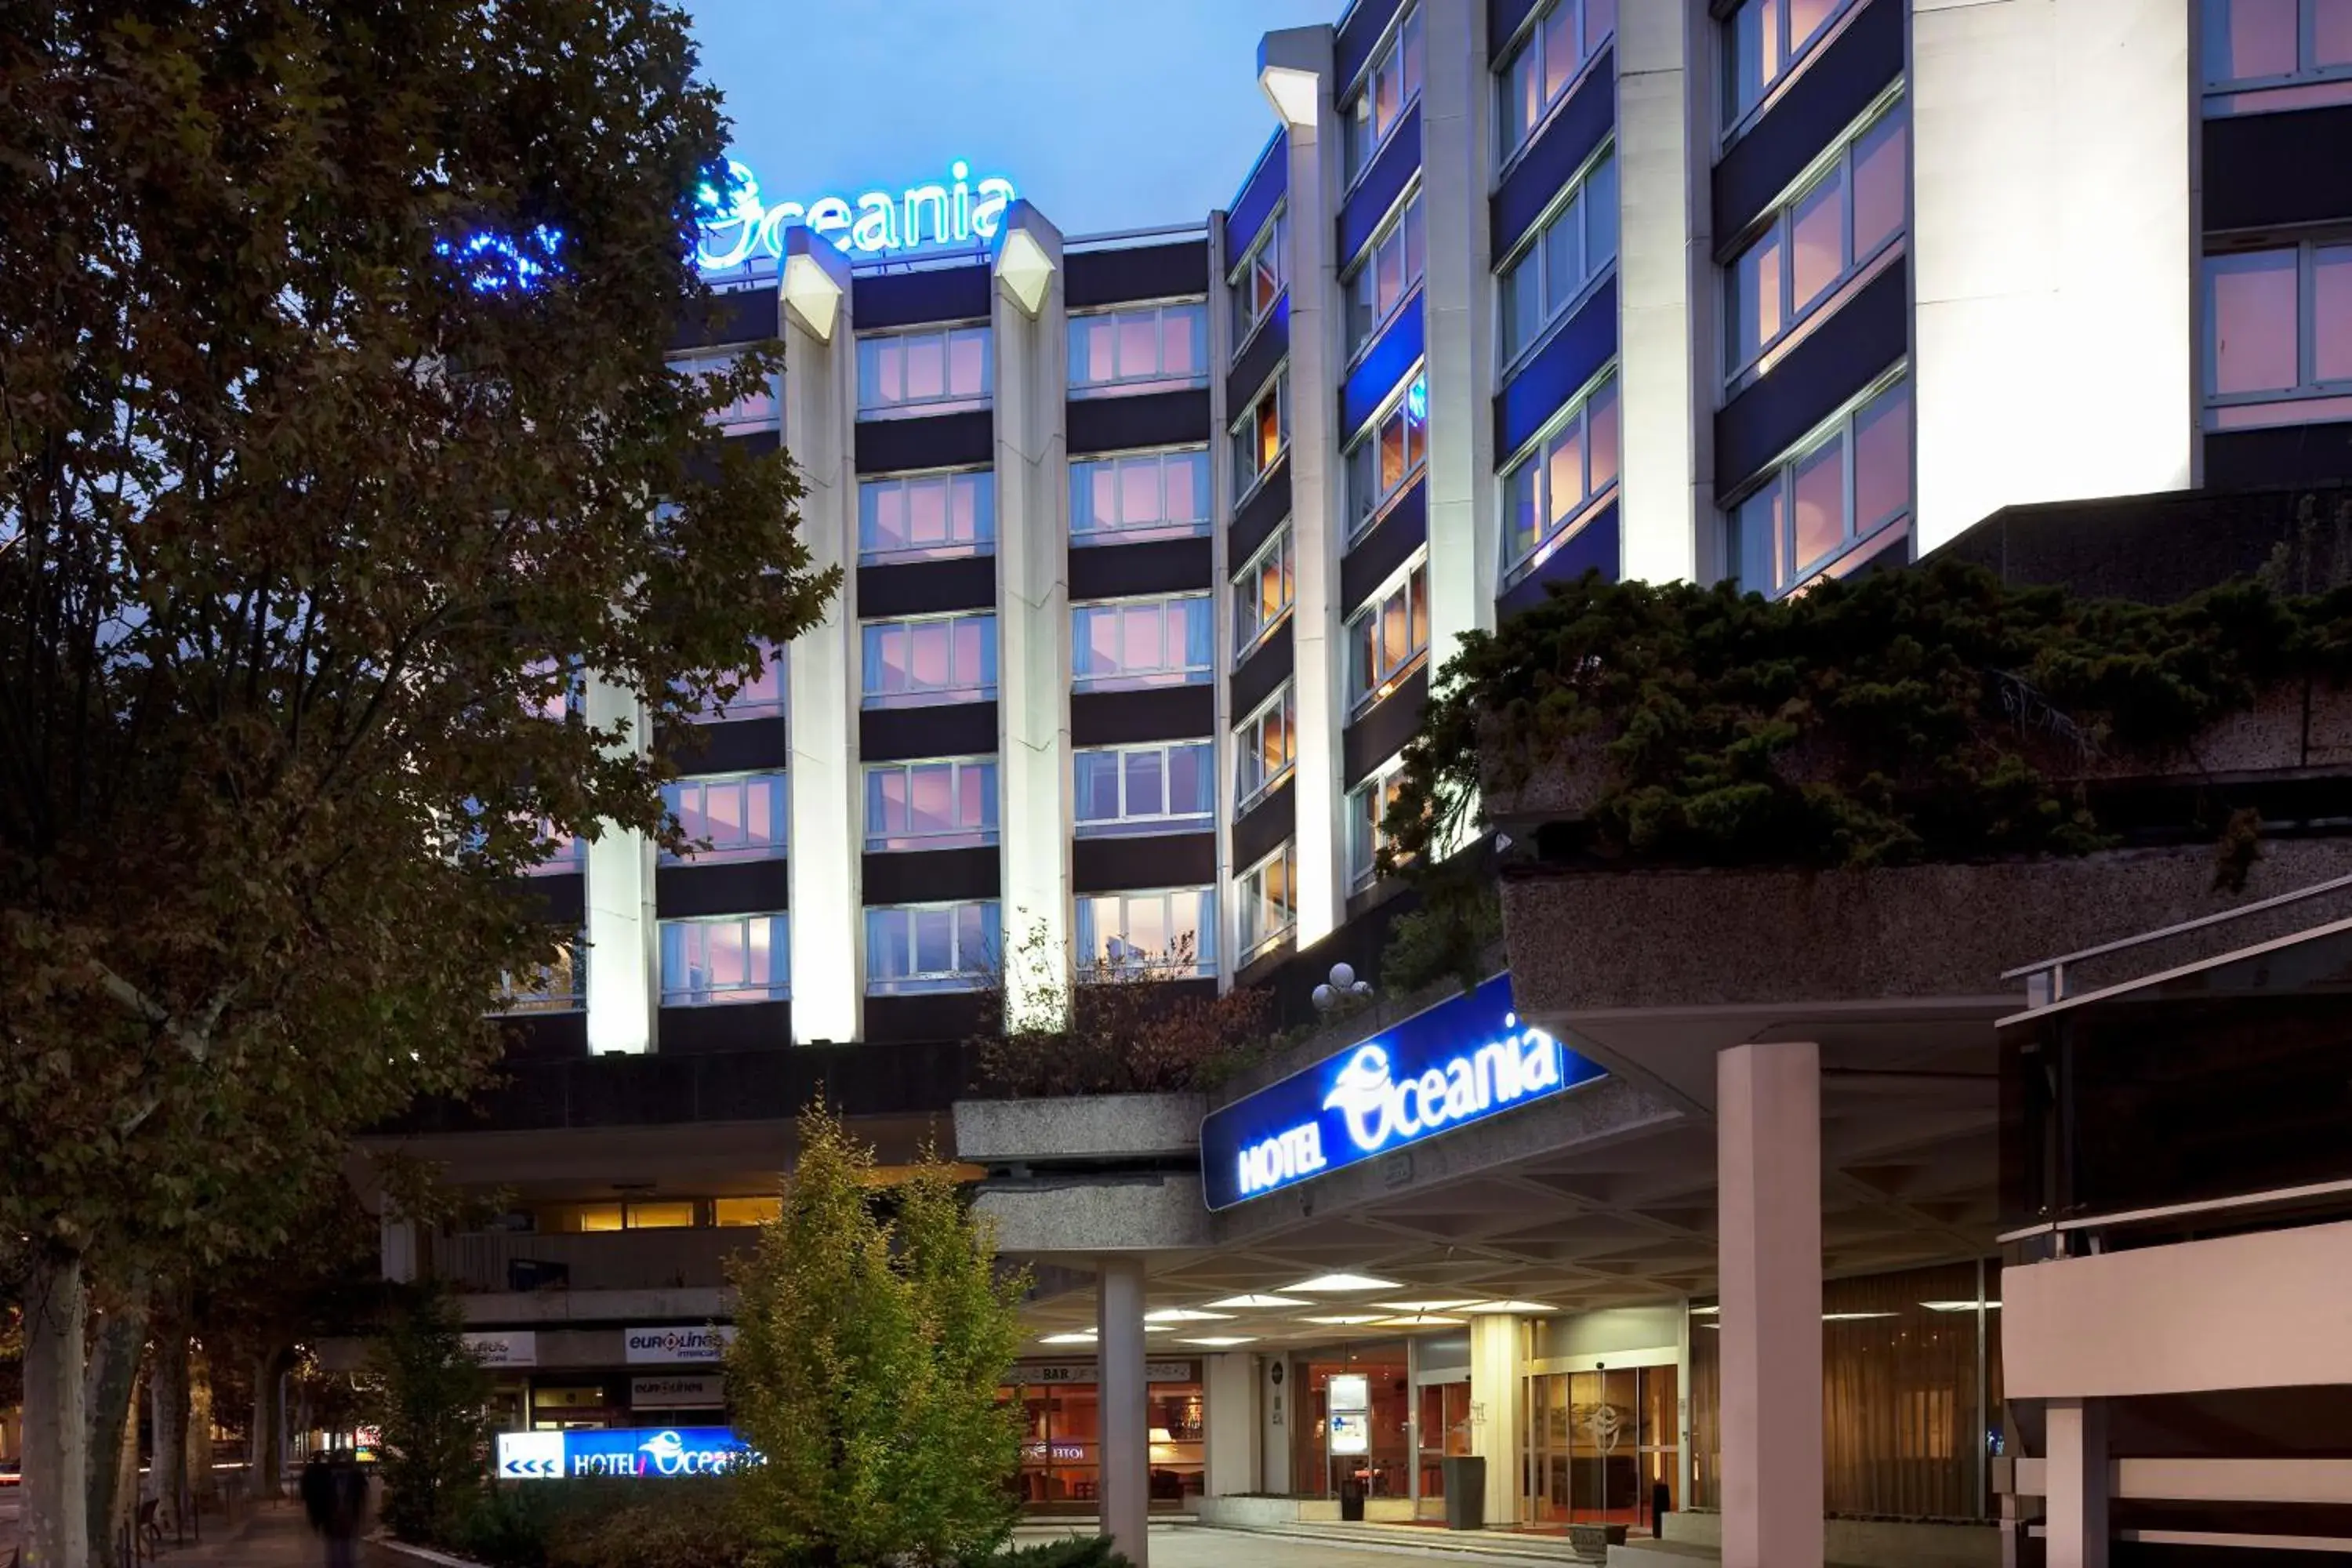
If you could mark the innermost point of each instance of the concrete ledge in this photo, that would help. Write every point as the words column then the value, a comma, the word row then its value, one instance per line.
column 1089, row 1127
column 516, row 1309
column 1096, row 1215
column 1846, row 1543
column 379, row 1541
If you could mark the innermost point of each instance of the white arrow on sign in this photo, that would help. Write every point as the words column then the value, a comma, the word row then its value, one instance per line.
column 530, row 1455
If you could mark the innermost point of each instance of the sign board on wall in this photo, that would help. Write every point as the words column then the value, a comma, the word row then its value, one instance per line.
column 704, row 1391
column 622, row 1451
column 1034, row 1375
column 1464, row 1060
column 1347, row 1401
column 677, row 1344
column 509, row 1347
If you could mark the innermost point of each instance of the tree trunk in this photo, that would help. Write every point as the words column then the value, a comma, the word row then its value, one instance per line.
column 110, row 1390
column 197, row 1456
column 264, row 1438
column 167, row 1472
column 56, row 1506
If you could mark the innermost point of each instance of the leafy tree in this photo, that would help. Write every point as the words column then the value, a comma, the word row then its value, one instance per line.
column 866, row 1367
column 337, row 450
column 426, row 1392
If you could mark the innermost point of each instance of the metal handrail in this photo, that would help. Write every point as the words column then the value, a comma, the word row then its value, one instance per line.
column 2176, row 1211
column 2056, row 967
column 1111, row 237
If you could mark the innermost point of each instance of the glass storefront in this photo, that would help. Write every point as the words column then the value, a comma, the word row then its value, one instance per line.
column 1444, row 1430
column 1382, row 1427
column 1061, row 1447
column 1600, row 1442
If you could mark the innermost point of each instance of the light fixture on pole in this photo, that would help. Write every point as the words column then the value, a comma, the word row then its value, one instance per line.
column 1343, row 982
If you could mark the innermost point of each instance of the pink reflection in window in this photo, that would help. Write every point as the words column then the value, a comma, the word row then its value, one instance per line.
column 968, row 372
column 1821, row 503
column 1805, row 19
column 1102, row 498
column 1565, row 464
column 2251, row 306
column 1602, row 415
column 890, row 517
column 929, row 666
column 1103, row 642
column 1139, row 491
column 1878, row 160
column 1138, row 346
column 2331, row 312
column 2257, row 40
column 1102, row 349
column 1184, row 500
column 970, row 652
column 1177, row 331
column 926, row 369
column 1142, row 637
column 927, row 511
column 1882, row 458
column 1817, row 241
column 931, row 803
column 2331, row 33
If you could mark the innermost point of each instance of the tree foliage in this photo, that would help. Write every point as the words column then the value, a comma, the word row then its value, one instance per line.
column 427, row 1393
column 866, row 1366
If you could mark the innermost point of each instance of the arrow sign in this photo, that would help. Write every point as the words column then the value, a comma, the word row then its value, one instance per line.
column 523, row 1456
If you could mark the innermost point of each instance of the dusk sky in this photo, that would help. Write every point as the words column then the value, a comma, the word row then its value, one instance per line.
column 1109, row 114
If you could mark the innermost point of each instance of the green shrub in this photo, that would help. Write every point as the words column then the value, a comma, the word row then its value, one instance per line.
column 1076, row 1551
column 425, row 1390
column 669, row 1524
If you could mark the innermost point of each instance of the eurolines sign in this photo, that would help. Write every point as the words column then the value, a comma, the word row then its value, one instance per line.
column 739, row 225
column 1457, row 1063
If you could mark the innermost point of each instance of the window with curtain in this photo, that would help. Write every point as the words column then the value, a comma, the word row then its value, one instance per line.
column 1827, row 505
column 744, row 817
column 929, row 947
column 1388, row 639
column 1831, row 232
column 936, row 658
column 1262, row 593
column 1569, row 472
column 1141, row 642
column 1390, row 455
column 922, row 517
column 1549, row 61
column 928, row 370
column 731, row 957
column 1566, row 251
column 1139, row 495
column 1263, row 749
column 1268, row 893
column 1159, row 788
column 1172, row 930
column 942, row 804
column 1139, row 348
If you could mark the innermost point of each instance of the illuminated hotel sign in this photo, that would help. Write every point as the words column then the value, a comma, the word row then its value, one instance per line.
column 622, row 1451
column 1459, row 1062
column 960, row 211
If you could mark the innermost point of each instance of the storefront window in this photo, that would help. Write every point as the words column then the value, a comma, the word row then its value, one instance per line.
column 1444, row 1431
column 1061, row 1445
column 1384, row 1468
column 1599, row 1442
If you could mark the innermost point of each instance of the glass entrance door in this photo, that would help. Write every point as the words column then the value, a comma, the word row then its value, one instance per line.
column 1598, row 1443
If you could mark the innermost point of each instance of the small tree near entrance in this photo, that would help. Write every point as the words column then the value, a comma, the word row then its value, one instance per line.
column 426, row 1394
column 869, row 1349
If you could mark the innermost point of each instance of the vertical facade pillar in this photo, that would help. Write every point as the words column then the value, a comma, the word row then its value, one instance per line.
column 1769, row 1160
column 1126, row 1448
column 1496, row 1416
column 1033, row 620
column 820, row 391
column 622, row 962
column 1274, row 1448
column 1664, row 323
column 397, row 1247
column 1458, row 171
column 2076, row 1483
column 1229, row 1392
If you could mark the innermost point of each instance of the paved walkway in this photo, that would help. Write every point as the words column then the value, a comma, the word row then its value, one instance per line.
column 1200, row 1546
column 271, row 1537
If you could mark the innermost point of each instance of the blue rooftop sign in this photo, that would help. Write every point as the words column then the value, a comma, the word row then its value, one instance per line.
column 1464, row 1060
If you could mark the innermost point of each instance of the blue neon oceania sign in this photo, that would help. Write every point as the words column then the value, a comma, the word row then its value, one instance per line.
column 738, row 227
column 1464, row 1060
column 622, row 1451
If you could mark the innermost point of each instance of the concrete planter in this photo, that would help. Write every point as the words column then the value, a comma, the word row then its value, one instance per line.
column 1099, row 1126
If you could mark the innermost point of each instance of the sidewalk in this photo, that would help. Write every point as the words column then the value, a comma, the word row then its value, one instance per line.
column 273, row 1536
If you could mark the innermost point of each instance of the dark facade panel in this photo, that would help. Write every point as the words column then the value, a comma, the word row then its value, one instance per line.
column 1838, row 83
column 727, row 888
column 1131, row 718
column 1382, row 732
column 944, row 730
column 2271, row 171
column 737, row 1026
column 544, row 1037
column 933, row 876
column 1154, row 860
column 1092, row 278
column 1401, row 531
column 1597, row 547
column 563, row 897
column 1377, row 191
column 1574, row 354
column 1259, row 196
column 1360, row 33
column 1259, row 831
column 940, row 1015
column 1267, row 667
column 939, row 441
column 737, row 316
column 1157, row 566
column 1868, row 333
column 1143, row 419
column 1560, row 149
column 1503, row 20
column 928, row 588
column 731, row 746
column 1393, row 353
column 1260, row 357
column 1261, row 513
column 911, row 298
column 2289, row 455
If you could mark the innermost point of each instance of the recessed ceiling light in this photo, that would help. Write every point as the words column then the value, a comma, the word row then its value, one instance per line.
column 1958, row 1306
column 1448, row 1305
column 1184, row 1315
column 1219, row 1342
column 1344, row 1319
column 1259, row 1299
column 1857, row 1317
column 1490, row 1308
column 1086, row 1338
column 1337, row 1284
column 1704, row 1311
column 1159, row 1328
column 1422, row 1321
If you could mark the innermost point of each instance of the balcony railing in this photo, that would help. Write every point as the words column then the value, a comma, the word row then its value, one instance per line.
column 600, row 1260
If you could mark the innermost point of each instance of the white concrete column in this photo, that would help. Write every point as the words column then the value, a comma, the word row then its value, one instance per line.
column 1274, row 1447
column 1316, row 502
column 2076, row 1483
column 1126, row 1448
column 1457, row 129
column 1032, row 614
column 622, row 930
column 826, row 800
column 397, row 1248
column 1769, row 1160
column 1665, row 324
column 1229, row 1396
column 1496, row 1416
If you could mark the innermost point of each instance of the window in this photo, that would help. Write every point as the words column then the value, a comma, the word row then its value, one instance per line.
column 1557, row 485
column 929, row 947
column 1848, row 484
column 1391, row 270
column 1269, row 901
column 1260, row 435
column 1148, row 348
column 735, row 958
column 1175, row 931
column 2278, row 323
column 935, row 367
column 755, row 411
column 1142, row 495
column 1127, row 790
column 1766, row 38
column 745, row 1211
column 554, row 696
column 1367, row 804
column 1264, row 748
column 1140, row 642
column 670, row 1215
column 1576, row 245
column 943, row 658
column 1548, row 62
column 919, row 517
column 560, row 985
column 1257, row 284
column 760, row 696
column 931, row 805
column 1388, row 637
column 741, row 819
column 1390, row 88
column 2293, row 54
column 566, row 854
column 1262, row 593
column 1831, row 232
column 1390, row 455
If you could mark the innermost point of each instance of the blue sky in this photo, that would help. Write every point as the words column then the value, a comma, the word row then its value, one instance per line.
column 1109, row 114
